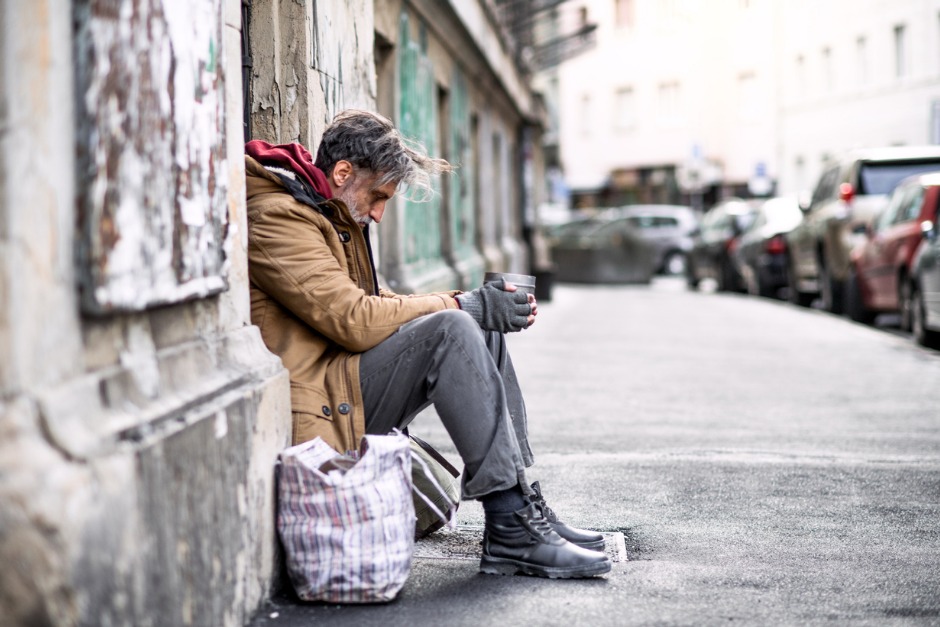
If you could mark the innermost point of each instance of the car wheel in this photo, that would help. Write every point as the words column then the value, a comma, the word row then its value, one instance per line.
column 764, row 290
column 854, row 304
column 794, row 295
column 675, row 263
column 690, row 279
column 905, row 302
column 922, row 335
column 758, row 286
column 726, row 277
column 830, row 290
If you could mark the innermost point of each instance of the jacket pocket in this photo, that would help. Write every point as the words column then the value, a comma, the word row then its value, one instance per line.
column 311, row 414
column 309, row 426
column 310, row 399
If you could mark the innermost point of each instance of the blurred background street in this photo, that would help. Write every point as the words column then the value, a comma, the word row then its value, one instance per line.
column 765, row 463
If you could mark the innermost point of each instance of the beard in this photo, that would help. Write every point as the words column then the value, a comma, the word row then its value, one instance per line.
column 348, row 196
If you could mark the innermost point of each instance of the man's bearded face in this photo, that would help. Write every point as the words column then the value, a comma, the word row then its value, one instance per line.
column 365, row 198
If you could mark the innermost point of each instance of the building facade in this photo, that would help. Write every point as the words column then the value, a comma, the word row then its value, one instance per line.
column 740, row 97
column 140, row 413
column 855, row 75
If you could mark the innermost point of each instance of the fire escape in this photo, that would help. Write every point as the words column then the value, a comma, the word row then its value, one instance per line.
column 547, row 33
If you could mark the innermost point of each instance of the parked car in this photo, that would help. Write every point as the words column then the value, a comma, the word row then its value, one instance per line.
column 668, row 228
column 925, row 287
column 601, row 249
column 760, row 253
column 847, row 196
column 879, row 278
column 710, row 257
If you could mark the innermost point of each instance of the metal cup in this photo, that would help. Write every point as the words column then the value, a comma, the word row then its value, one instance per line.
column 523, row 282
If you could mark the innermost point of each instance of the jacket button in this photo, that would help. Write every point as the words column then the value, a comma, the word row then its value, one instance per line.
column 326, row 411
column 345, row 236
column 344, row 408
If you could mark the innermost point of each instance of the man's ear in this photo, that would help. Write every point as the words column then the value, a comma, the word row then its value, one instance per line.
column 342, row 173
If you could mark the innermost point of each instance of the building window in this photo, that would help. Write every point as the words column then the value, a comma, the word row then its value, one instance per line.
column 800, row 76
column 828, row 76
column 861, row 60
column 799, row 173
column 623, row 13
column 900, row 51
column 747, row 96
column 624, row 109
column 669, row 101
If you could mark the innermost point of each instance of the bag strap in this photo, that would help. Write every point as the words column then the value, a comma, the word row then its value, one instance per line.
column 435, row 455
column 451, row 521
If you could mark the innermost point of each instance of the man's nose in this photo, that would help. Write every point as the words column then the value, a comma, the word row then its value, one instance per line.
column 378, row 210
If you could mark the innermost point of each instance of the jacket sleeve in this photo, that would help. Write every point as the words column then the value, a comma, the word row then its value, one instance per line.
column 390, row 294
column 290, row 258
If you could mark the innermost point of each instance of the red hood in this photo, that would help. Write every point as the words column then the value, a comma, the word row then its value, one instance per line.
column 293, row 157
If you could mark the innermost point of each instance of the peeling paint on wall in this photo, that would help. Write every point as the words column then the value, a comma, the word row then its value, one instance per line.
column 151, row 146
column 330, row 35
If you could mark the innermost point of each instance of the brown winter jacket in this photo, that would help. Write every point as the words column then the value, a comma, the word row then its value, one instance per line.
column 314, row 297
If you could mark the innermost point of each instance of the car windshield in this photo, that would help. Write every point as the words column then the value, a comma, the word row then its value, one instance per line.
column 882, row 177
column 652, row 222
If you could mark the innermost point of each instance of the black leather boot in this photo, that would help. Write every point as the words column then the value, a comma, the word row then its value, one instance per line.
column 587, row 539
column 524, row 542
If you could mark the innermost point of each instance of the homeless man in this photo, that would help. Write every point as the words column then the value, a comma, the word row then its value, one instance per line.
column 365, row 360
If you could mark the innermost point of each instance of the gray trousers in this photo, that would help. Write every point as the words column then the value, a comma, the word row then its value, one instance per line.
column 446, row 359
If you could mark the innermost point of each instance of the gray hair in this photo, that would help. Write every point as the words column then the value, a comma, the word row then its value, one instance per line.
column 371, row 142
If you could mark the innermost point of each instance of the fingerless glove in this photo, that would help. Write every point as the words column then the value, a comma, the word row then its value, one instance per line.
column 495, row 309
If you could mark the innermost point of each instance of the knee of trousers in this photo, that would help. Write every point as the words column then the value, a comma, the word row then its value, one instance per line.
column 457, row 326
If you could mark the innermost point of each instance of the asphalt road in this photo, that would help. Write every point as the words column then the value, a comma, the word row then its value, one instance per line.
column 765, row 464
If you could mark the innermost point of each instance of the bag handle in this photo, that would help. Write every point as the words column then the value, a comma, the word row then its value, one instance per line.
column 451, row 522
column 433, row 452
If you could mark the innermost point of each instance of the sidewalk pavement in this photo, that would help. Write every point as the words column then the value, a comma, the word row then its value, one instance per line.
column 753, row 462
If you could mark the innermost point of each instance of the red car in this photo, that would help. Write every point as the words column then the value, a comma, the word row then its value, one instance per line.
column 879, row 278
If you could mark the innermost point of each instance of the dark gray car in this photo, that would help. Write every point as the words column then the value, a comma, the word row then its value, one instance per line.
column 760, row 254
column 710, row 257
column 925, row 290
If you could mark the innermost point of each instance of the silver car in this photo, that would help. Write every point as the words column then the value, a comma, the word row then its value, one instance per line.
column 668, row 228
column 849, row 194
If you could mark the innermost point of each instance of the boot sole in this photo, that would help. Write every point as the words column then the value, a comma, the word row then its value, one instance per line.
column 503, row 566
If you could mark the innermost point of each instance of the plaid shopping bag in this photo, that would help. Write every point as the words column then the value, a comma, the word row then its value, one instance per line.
column 347, row 522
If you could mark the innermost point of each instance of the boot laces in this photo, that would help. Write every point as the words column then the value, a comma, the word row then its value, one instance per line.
column 540, row 522
column 547, row 511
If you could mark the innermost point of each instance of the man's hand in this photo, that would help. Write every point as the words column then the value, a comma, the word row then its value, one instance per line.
column 535, row 309
column 498, row 306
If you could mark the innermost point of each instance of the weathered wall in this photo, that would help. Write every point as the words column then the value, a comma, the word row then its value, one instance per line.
column 310, row 60
column 136, row 449
column 456, row 89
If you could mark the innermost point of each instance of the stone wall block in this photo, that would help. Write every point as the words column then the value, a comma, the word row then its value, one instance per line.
column 262, row 559
column 37, row 201
column 33, row 582
column 234, row 306
column 279, row 71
